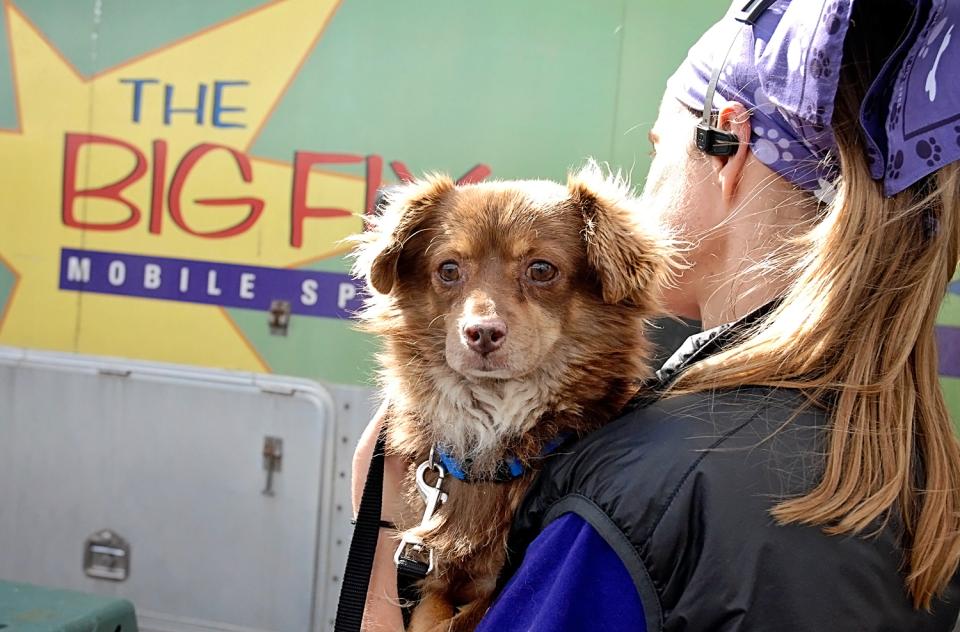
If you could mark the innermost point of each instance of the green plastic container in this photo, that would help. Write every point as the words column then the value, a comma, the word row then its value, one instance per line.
column 26, row 608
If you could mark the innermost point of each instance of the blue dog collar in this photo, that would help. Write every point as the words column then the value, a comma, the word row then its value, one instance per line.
column 510, row 468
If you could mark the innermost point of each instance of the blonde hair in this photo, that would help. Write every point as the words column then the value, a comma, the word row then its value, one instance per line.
column 855, row 331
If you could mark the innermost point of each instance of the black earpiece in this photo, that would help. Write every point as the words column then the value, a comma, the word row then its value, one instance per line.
column 716, row 142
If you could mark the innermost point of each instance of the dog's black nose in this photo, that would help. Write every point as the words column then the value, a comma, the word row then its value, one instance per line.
column 485, row 336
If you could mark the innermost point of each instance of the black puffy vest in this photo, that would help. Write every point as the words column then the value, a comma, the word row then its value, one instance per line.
column 681, row 488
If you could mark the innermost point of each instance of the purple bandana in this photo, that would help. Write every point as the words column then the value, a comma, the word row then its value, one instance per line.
column 785, row 68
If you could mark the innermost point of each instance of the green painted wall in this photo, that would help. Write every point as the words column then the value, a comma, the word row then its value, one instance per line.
column 445, row 85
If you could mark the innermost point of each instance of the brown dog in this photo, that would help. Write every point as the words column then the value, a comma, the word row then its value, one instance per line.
column 512, row 314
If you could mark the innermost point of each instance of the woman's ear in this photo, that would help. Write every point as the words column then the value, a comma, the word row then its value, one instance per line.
column 405, row 212
column 632, row 262
column 733, row 118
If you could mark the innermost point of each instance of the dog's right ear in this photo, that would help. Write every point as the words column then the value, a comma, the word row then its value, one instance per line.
column 404, row 212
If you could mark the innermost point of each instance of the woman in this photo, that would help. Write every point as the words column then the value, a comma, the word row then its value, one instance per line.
column 797, row 469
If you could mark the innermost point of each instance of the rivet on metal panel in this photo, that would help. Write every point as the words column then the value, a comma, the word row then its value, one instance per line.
column 106, row 555
column 272, row 461
column 279, row 317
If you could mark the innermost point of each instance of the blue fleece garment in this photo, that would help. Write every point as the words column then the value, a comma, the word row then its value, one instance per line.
column 570, row 580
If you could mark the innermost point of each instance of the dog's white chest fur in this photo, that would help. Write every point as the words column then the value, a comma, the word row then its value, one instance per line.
column 473, row 417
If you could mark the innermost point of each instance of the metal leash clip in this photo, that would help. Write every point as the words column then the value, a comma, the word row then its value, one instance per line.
column 433, row 497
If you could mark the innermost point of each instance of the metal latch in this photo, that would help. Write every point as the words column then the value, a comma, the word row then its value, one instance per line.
column 279, row 317
column 106, row 555
column 272, row 460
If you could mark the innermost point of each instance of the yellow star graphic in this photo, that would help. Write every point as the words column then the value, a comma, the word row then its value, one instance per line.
column 237, row 70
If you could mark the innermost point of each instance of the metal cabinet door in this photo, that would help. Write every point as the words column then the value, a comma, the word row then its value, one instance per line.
column 172, row 460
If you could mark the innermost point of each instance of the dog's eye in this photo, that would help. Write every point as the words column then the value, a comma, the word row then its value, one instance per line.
column 541, row 272
column 449, row 272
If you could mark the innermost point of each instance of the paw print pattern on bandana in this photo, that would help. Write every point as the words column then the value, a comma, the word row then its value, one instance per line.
column 820, row 65
column 894, row 119
column 956, row 128
column 770, row 146
column 814, row 119
column 929, row 149
column 893, row 169
column 831, row 16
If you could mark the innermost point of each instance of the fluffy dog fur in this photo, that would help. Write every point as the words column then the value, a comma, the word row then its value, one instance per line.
column 571, row 355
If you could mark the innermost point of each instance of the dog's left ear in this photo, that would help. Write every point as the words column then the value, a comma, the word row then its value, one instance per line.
column 632, row 261
column 405, row 211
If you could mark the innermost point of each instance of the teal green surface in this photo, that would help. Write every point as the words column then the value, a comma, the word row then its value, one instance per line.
column 6, row 285
column 950, row 310
column 124, row 28
column 26, row 608
column 528, row 88
column 951, row 392
column 8, row 108
column 950, row 315
column 657, row 36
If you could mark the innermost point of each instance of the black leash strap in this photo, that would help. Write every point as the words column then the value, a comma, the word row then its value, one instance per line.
column 363, row 546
